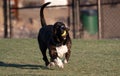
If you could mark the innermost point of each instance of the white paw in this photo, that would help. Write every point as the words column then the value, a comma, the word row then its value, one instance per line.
column 59, row 63
column 65, row 61
column 51, row 64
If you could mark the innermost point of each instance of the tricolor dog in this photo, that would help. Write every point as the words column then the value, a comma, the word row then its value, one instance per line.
column 56, row 39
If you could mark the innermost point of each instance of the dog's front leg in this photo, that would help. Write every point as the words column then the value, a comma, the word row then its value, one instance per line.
column 53, row 56
column 55, row 60
column 45, row 56
column 67, row 56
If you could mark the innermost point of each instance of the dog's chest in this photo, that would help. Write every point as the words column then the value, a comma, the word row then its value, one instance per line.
column 61, row 50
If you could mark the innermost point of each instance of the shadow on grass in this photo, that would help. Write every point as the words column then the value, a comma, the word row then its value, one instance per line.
column 22, row 66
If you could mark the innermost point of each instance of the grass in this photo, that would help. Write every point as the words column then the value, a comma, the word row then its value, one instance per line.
column 21, row 57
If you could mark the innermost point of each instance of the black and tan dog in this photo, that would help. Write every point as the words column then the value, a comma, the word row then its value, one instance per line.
column 56, row 39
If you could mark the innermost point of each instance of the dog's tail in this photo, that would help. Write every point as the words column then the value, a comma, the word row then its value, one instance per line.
column 42, row 19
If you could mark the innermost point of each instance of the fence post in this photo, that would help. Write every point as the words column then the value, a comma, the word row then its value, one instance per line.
column 99, row 19
column 73, row 17
column 10, row 21
column 5, row 18
column 78, row 18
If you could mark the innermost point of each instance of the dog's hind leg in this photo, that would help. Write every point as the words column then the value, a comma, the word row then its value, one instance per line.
column 43, row 49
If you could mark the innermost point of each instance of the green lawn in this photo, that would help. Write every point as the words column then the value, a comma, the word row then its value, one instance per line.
column 21, row 57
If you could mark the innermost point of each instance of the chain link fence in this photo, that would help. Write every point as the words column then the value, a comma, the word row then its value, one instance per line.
column 110, row 19
column 28, row 23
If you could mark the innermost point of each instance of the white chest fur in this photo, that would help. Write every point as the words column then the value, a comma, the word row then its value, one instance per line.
column 61, row 50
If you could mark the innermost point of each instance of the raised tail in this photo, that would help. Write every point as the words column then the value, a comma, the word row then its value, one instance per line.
column 42, row 18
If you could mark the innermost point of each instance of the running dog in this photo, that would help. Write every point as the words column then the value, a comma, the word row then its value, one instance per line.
column 56, row 39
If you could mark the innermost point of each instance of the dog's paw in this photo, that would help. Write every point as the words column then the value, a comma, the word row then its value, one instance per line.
column 65, row 61
column 51, row 64
column 59, row 63
column 61, row 66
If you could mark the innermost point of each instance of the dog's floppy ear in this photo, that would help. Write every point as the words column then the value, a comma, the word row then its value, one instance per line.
column 54, row 31
column 55, row 28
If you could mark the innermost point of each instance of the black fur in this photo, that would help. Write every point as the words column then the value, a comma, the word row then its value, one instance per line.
column 43, row 22
column 50, row 36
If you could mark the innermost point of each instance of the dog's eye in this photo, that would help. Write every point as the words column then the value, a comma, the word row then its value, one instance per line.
column 62, row 27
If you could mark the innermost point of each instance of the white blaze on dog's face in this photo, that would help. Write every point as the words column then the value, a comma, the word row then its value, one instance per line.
column 61, row 50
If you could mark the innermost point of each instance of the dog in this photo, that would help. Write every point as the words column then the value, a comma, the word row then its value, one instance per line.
column 56, row 39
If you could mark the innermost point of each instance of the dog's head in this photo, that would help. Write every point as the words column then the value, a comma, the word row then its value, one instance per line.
column 60, row 31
